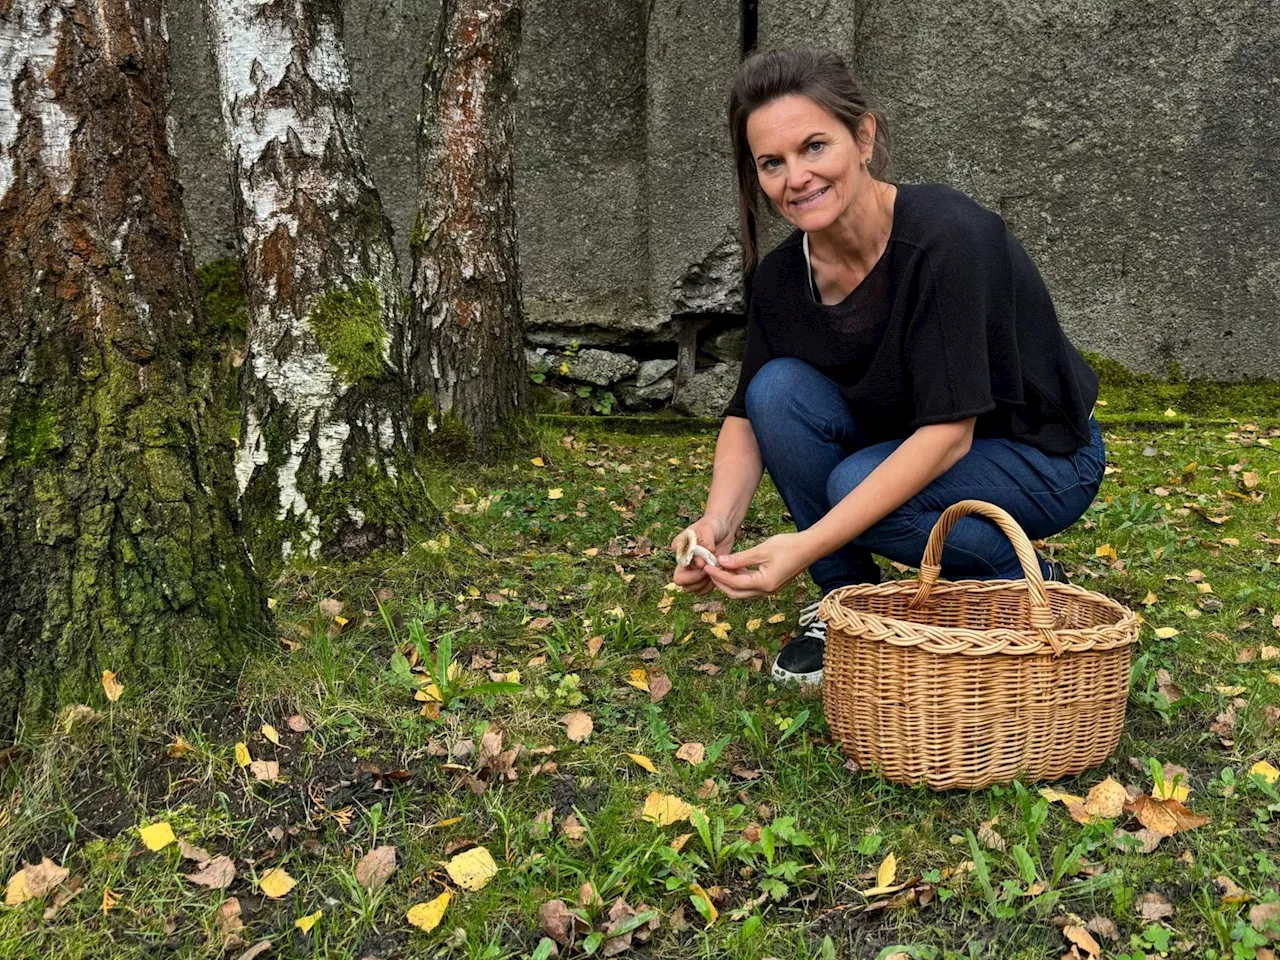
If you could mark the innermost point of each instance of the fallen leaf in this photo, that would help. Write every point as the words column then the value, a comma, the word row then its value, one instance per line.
column 216, row 874
column 884, row 877
column 664, row 809
column 110, row 899
column 1053, row 796
column 1264, row 915
column 266, row 770
column 1175, row 785
column 743, row 772
column 1082, row 939
column 179, row 748
column 537, row 461
column 112, row 687
column 988, row 837
column 754, row 624
column 298, row 723
column 578, row 726
column 1165, row 817
column 276, row 883
column 226, row 918
column 376, row 867
column 710, row 912
column 270, row 733
column 571, row 829
column 659, row 687
column 556, row 920
column 1105, row 802
column 678, row 843
column 259, row 948
column 638, row 679
column 1166, row 633
column 708, row 791
column 1106, row 551
column 34, row 881
column 1140, row 841
column 157, row 836
column 242, row 755
column 555, row 493
column 1265, row 770
column 1103, row 927
column 777, row 618
column 692, row 753
column 643, row 761
column 330, row 607
column 306, row 923
column 1153, row 906
column 473, row 869
column 427, row 916
column 1150, row 599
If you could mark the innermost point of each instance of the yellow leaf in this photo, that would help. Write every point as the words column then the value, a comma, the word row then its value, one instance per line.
column 341, row 621
column 269, row 732
column 1171, row 412
column 180, row 748
column 1107, row 551
column 1172, row 785
column 157, row 836
column 1053, row 796
column 1166, row 633
column 112, row 687
column 643, row 761
column 473, row 869
column 721, row 630
column 448, row 822
column 427, row 916
column 271, row 603
column 674, row 461
column 537, row 462
column 639, row 679
column 109, row 899
column 1266, row 771
column 1273, row 678
column 664, row 809
column 275, row 883
column 555, row 493
column 17, row 891
column 242, row 755
column 712, row 913
column 754, row 624
column 884, row 877
column 429, row 694
column 1150, row 598
column 306, row 923
column 777, row 618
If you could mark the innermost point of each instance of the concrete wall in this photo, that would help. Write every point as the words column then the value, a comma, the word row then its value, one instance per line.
column 1133, row 147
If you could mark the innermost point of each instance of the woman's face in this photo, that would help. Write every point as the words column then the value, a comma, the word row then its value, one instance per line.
column 808, row 163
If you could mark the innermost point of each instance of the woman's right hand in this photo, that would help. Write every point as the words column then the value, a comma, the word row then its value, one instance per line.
column 714, row 534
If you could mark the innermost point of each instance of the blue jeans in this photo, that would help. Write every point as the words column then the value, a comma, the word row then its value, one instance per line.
column 816, row 452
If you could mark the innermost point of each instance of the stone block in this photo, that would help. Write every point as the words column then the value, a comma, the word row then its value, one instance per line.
column 710, row 390
column 651, row 371
column 636, row 396
column 728, row 345
column 602, row 367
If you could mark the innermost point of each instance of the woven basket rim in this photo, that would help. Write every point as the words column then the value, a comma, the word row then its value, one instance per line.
column 1077, row 639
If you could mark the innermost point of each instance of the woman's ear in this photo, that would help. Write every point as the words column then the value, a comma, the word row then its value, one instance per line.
column 867, row 133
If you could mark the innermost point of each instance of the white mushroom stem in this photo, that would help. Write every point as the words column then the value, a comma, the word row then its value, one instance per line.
column 687, row 547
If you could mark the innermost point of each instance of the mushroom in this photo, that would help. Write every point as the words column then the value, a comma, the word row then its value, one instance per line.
column 687, row 547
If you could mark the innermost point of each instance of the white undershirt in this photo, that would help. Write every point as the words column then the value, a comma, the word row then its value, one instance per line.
column 808, row 267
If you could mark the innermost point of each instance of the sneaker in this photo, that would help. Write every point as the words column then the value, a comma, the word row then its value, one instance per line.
column 801, row 659
column 1057, row 572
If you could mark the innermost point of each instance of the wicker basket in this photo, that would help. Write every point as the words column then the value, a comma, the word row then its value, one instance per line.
column 966, row 684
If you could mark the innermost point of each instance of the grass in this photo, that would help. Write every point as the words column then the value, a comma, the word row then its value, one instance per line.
column 565, row 594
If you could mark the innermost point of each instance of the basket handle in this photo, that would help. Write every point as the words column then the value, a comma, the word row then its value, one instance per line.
column 931, row 564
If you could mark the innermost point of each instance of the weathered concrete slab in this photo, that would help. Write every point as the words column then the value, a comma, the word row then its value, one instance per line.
column 1134, row 148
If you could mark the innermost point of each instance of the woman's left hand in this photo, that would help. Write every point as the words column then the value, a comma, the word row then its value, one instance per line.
column 776, row 561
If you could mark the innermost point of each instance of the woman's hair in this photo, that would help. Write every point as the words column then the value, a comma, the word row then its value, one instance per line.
column 817, row 74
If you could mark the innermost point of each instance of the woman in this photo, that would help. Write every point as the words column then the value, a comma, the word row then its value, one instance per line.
column 902, row 354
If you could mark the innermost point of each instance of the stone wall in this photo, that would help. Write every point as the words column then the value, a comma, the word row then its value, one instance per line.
column 1134, row 148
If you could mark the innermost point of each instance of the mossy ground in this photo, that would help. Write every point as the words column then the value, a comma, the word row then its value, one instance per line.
column 522, row 577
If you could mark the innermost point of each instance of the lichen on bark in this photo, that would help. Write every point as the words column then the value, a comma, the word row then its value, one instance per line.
column 113, row 492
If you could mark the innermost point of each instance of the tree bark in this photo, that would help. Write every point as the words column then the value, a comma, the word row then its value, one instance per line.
column 467, row 327
column 117, row 545
column 324, row 434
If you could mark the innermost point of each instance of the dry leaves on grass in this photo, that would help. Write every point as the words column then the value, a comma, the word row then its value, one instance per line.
column 659, row 687
column 692, row 753
column 276, row 883
column 885, row 874
column 157, row 836
column 376, row 867
column 112, row 687
column 643, row 761
column 34, row 881
column 664, row 809
column 1153, row 906
column 578, row 726
column 216, row 873
column 473, row 869
column 1081, row 939
column 427, row 916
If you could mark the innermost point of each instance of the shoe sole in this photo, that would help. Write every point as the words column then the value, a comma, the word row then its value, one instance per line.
column 786, row 676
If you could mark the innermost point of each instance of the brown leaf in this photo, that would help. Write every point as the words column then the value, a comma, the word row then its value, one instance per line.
column 216, row 874
column 1082, row 939
column 1153, row 906
column 1231, row 892
column 556, row 920
column 708, row 790
column 692, row 753
column 376, row 867
column 1140, row 841
column 988, row 837
column 659, row 687
column 1264, row 915
column 588, row 896
column 259, row 948
column 267, row 770
column 743, row 772
column 62, row 895
column 226, row 919
column 571, row 829
column 578, row 726
column 298, row 723
column 1165, row 817
column 42, row 877
column 330, row 607
column 1103, row 927
column 1166, row 686
column 541, row 828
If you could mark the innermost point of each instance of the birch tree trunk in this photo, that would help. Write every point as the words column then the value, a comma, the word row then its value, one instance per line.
column 117, row 547
column 324, row 430
column 466, row 327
